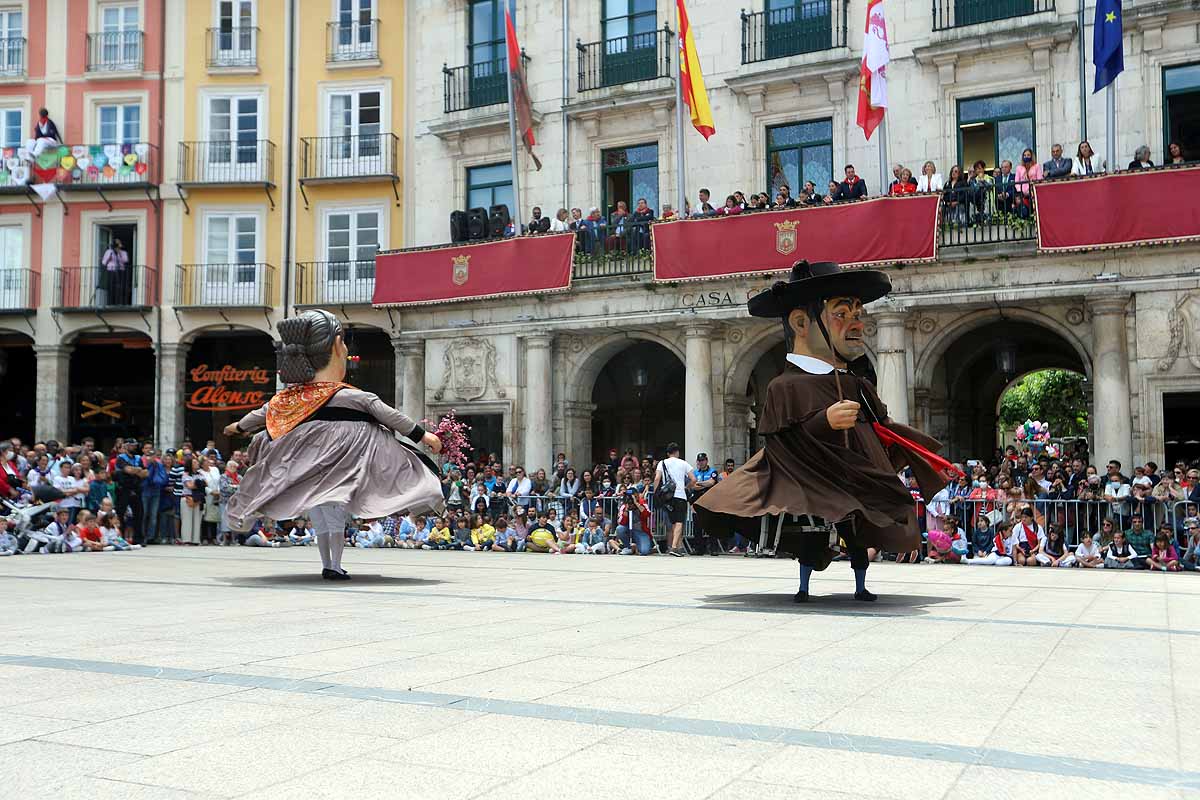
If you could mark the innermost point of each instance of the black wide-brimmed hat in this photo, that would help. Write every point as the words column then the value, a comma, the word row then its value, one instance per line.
column 817, row 280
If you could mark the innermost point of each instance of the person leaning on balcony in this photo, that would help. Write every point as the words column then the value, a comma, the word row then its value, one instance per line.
column 813, row 196
column 833, row 195
column 704, row 207
column 731, row 207
column 1087, row 162
column 1057, row 166
column 1006, row 191
column 956, row 196
column 930, row 179
column 560, row 224
column 1141, row 159
column 643, row 215
column 982, row 189
column 904, row 184
column 853, row 187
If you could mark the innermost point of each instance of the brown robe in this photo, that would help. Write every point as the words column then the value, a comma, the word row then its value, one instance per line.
column 806, row 467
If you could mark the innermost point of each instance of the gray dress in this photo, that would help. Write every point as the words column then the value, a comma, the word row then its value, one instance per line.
column 360, row 465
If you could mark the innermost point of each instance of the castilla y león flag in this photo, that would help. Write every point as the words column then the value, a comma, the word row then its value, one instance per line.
column 520, row 87
column 691, row 81
column 872, row 80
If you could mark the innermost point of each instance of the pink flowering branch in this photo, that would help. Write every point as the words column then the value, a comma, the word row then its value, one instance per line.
column 456, row 443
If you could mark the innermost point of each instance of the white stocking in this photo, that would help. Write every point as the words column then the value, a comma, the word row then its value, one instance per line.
column 323, row 546
column 337, row 543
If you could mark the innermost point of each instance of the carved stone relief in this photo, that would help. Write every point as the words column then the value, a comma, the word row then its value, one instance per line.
column 468, row 370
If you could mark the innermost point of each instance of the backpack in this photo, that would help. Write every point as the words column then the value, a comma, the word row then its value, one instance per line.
column 666, row 488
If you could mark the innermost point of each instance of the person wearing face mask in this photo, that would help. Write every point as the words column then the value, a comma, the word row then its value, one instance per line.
column 1028, row 171
column 10, row 479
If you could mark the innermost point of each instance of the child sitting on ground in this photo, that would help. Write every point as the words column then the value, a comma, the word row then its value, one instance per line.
column 110, row 534
column 592, row 540
column 541, row 538
column 439, row 536
column 8, row 542
column 483, row 535
column 420, row 536
column 1163, row 555
column 999, row 549
column 462, row 536
column 1087, row 554
column 1054, row 550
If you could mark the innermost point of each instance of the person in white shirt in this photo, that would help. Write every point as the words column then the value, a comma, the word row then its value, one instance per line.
column 1087, row 554
column 560, row 223
column 680, row 473
column 1028, row 539
column 1086, row 162
column 929, row 180
column 71, row 487
column 1120, row 554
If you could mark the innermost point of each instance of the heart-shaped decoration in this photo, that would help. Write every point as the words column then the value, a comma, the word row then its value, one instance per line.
column 12, row 162
column 93, row 173
column 142, row 149
column 79, row 151
column 68, row 162
column 125, row 171
column 24, row 154
column 63, row 150
column 100, row 160
column 61, row 175
column 76, row 174
column 95, row 149
column 109, row 171
column 21, row 174
column 5, row 176
column 130, row 159
column 83, row 163
column 44, row 175
column 48, row 160
column 112, row 151
column 141, row 167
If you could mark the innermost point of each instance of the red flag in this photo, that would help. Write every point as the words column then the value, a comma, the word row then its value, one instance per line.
column 520, row 89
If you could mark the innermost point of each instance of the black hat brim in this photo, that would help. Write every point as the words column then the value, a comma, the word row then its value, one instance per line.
column 867, row 285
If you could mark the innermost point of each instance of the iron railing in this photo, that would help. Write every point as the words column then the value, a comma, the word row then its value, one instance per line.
column 116, row 51
column 625, row 59
column 227, row 162
column 605, row 250
column 808, row 27
column 476, row 85
column 12, row 56
column 983, row 213
column 340, row 282
column 17, row 285
column 352, row 41
column 233, row 47
column 343, row 157
column 129, row 164
column 88, row 288
column 243, row 285
column 957, row 13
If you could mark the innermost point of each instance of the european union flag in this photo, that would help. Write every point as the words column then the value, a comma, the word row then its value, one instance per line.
column 1107, row 50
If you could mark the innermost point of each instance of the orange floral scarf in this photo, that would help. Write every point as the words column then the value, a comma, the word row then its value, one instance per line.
column 297, row 403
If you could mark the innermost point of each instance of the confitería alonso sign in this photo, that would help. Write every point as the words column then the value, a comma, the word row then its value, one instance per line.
column 228, row 388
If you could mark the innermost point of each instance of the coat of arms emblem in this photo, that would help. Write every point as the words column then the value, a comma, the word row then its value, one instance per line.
column 461, row 267
column 469, row 368
column 785, row 237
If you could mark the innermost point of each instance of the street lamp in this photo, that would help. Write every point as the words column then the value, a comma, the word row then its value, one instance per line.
column 1006, row 357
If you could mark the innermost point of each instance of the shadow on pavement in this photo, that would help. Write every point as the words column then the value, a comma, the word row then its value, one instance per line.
column 899, row 605
column 315, row 579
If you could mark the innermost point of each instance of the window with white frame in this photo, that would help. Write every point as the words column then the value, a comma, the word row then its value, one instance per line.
column 119, row 123
column 12, row 127
column 120, row 37
column 354, row 30
column 233, row 139
column 354, row 126
column 231, row 256
column 12, row 41
column 235, row 35
column 352, row 238
column 13, row 274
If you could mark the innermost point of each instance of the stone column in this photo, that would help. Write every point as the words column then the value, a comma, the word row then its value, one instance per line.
column 538, row 403
column 891, row 364
column 698, row 392
column 1113, row 420
column 172, row 401
column 53, row 391
column 410, row 377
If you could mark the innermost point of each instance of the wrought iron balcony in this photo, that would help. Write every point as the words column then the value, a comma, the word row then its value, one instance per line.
column 625, row 59
column 96, row 288
column 476, row 85
column 808, row 27
column 12, row 57
column 352, row 41
column 227, row 163
column 335, row 282
column 116, row 51
column 233, row 48
column 985, row 215
column 957, row 13
column 334, row 158
column 18, row 289
column 242, row 285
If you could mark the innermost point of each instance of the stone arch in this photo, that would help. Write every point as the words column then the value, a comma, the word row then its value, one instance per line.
column 72, row 336
column 754, row 347
column 190, row 334
column 931, row 355
column 580, row 379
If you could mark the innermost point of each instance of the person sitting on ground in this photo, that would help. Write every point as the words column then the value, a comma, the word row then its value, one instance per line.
column 506, row 540
column 1087, row 554
column 998, row 552
column 592, row 539
column 542, row 538
column 420, row 535
column 370, row 534
column 462, row 535
column 9, row 546
column 1140, row 538
column 110, row 533
column 1191, row 556
column 301, row 535
column 951, row 534
column 567, row 536
column 1087, row 162
column 1141, row 159
column 1119, row 554
column 441, row 533
column 1054, row 550
column 1175, row 154
column 520, row 526
column 1029, row 539
column 1163, row 555
column 483, row 535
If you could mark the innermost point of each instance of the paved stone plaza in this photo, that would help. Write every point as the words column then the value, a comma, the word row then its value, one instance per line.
column 173, row 673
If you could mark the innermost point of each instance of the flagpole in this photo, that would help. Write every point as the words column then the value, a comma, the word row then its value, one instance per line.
column 883, row 156
column 1110, row 121
column 512, row 137
column 680, row 181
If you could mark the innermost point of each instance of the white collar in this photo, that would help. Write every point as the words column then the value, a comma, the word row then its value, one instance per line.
column 814, row 366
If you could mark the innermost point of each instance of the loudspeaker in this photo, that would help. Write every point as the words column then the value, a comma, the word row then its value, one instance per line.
column 498, row 220
column 477, row 223
column 458, row 226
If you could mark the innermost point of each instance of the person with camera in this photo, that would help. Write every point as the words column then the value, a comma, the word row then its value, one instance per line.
column 672, row 480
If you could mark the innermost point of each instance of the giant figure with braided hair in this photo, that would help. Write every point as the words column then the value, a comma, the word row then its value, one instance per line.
column 326, row 448
column 831, row 456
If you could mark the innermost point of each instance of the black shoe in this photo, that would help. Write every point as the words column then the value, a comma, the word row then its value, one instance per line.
column 334, row 575
column 801, row 597
column 865, row 596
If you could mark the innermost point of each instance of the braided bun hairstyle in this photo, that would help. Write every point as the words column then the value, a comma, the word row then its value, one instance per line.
column 306, row 344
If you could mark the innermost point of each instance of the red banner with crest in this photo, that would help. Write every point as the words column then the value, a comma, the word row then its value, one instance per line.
column 885, row 230
column 474, row 271
column 1145, row 207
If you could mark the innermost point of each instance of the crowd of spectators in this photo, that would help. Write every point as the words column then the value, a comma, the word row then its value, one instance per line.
column 1018, row 508
column 974, row 195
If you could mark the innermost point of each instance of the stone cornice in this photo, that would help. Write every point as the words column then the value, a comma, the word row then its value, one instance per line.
column 948, row 46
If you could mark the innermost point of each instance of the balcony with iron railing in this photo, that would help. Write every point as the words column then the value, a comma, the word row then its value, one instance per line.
column 352, row 42
column 625, row 59
column 335, row 282
column 18, row 290
column 233, row 48
column 98, row 288
column 115, row 51
column 476, row 85
column 241, row 285
column 12, row 57
column 958, row 13
column 987, row 215
column 808, row 27
column 227, row 163
column 343, row 158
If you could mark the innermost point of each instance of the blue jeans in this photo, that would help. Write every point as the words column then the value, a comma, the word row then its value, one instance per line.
column 644, row 543
column 168, row 512
column 150, row 501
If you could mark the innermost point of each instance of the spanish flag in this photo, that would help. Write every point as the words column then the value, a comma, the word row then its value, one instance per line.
column 691, row 82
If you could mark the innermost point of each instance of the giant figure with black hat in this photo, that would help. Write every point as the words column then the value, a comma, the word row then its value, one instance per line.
column 832, row 456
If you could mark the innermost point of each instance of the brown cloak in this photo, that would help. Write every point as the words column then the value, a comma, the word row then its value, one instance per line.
column 806, row 467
